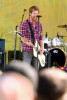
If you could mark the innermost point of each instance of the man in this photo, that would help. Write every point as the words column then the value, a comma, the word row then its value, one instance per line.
column 1, row 72
column 52, row 84
column 29, row 29
column 24, row 69
column 18, row 82
column 14, row 86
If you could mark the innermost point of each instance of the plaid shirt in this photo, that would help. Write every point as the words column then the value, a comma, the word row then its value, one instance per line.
column 25, row 30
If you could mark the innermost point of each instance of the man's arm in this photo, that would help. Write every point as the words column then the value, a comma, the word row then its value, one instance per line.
column 41, row 47
column 23, row 31
column 41, row 44
column 25, row 41
column 41, row 40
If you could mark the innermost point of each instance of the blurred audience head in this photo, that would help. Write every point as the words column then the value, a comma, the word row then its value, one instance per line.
column 14, row 86
column 18, row 82
column 1, row 72
column 25, row 69
column 52, row 84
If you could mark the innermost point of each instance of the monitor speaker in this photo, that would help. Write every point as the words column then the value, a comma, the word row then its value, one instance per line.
column 2, row 60
column 11, row 55
column 2, row 44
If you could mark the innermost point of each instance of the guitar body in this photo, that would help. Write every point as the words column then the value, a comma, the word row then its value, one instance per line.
column 41, row 57
column 35, row 50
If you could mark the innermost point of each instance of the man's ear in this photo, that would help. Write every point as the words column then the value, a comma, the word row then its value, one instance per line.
column 29, row 14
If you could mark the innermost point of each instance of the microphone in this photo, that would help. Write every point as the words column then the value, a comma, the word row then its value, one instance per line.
column 57, row 35
column 23, row 14
column 25, row 10
column 38, row 16
column 17, row 25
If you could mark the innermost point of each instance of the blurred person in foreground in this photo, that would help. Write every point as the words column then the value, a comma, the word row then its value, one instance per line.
column 18, row 82
column 52, row 84
column 1, row 72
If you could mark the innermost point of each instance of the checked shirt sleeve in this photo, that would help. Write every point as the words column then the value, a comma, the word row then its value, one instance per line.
column 23, row 28
column 41, row 32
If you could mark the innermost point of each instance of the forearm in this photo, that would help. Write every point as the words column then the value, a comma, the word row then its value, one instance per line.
column 27, row 42
column 41, row 44
column 24, row 41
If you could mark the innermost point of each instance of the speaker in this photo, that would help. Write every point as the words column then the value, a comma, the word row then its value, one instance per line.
column 2, row 60
column 48, row 62
column 11, row 55
column 46, row 46
column 2, row 44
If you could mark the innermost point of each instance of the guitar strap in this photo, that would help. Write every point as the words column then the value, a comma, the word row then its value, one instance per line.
column 32, row 33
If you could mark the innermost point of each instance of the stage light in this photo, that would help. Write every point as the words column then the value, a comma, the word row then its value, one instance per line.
column 53, row 66
column 62, row 68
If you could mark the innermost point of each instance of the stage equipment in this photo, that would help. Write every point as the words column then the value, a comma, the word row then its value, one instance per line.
column 23, row 14
column 62, row 26
column 57, row 42
column 57, row 57
column 15, row 42
column 19, row 55
column 61, row 36
column 47, row 40
column 2, row 44
column 2, row 60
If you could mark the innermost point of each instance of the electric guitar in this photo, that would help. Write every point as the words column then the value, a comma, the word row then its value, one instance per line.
column 41, row 57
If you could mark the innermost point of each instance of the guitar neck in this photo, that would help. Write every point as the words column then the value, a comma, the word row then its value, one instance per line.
column 26, row 39
column 34, row 47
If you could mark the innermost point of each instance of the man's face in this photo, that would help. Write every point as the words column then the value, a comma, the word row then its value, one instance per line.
column 33, row 15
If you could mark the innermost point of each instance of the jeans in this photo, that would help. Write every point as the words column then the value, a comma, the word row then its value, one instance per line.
column 28, row 57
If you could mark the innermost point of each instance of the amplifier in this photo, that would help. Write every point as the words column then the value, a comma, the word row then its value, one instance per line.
column 11, row 55
column 2, row 60
column 2, row 44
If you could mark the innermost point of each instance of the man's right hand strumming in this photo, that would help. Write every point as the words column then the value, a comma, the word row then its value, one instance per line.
column 27, row 42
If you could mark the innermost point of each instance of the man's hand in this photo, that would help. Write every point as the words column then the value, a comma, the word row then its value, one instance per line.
column 25, row 41
column 29, row 43
column 41, row 47
column 41, row 50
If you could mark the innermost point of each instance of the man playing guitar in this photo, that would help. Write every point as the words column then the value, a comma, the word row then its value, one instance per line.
column 26, row 31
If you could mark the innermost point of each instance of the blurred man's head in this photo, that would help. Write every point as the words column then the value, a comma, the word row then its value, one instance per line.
column 14, row 86
column 18, row 82
column 52, row 84
column 25, row 69
column 1, row 72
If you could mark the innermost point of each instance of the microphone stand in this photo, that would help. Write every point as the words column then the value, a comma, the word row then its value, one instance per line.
column 16, row 36
column 15, row 43
column 23, row 15
column 37, row 43
column 21, row 22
